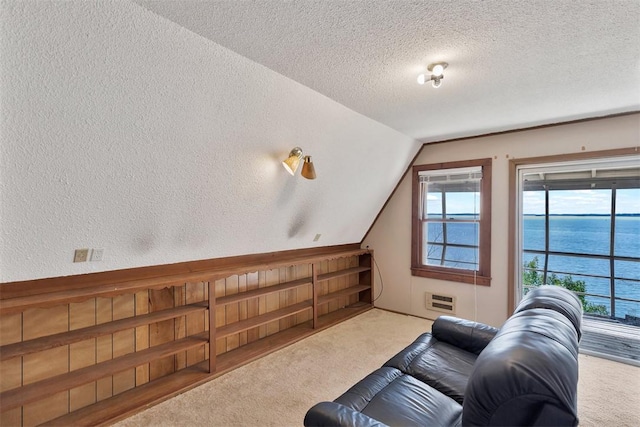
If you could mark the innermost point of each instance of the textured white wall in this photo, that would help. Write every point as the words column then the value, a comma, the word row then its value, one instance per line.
column 121, row 130
column 391, row 234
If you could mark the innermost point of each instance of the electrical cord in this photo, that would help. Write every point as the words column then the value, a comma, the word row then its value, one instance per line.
column 380, row 276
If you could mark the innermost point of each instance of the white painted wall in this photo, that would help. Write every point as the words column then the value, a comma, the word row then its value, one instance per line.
column 122, row 130
column 390, row 236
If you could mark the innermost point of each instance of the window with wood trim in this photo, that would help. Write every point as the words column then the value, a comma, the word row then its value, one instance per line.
column 579, row 227
column 451, row 221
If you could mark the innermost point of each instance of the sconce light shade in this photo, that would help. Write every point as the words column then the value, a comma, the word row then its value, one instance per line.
column 293, row 160
column 308, row 170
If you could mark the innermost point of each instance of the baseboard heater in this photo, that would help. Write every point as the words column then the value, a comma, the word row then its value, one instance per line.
column 441, row 303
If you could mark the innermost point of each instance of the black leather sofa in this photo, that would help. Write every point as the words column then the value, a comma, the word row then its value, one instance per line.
column 471, row 374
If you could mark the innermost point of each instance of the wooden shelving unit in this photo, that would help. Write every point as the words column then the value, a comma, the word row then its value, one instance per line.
column 36, row 391
column 253, row 322
column 135, row 343
column 51, row 341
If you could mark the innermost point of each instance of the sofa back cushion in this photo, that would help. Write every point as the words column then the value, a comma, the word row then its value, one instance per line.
column 527, row 375
column 465, row 334
column 444, row 358
column 436, row 363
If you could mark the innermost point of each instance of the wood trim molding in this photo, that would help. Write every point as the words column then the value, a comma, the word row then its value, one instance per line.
column 535, row 127
column 35, row 287
column 393, row 192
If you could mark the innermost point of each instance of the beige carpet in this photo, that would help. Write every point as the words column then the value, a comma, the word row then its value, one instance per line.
column 278, row 389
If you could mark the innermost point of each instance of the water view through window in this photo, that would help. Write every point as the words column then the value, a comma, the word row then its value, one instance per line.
column 593, row 243
column 451, row 221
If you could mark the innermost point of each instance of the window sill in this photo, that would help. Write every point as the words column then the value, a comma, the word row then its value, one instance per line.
column 451, row 275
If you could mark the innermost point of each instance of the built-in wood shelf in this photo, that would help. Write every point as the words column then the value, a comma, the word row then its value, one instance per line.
column 325, row 299
column 18, row 296
column 341, row 273
column 64, row 338
column 36, row 391
column 243, row 296
column 129, row 402
column 159, row 331
column 244, row 325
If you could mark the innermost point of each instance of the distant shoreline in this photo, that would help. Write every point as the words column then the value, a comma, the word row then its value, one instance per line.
column 603, row 215
column 631, row 215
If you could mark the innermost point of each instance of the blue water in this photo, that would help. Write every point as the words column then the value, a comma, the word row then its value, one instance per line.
column 591, row 235
column 576, row 234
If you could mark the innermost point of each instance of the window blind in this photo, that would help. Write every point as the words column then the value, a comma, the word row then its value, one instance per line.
column 451, row 175
column 621, row 173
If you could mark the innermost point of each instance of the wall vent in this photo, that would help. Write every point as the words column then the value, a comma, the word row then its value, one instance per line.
column 442, row 303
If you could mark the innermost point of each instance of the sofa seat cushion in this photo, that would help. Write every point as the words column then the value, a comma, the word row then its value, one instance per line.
column 436, row 363
column 332, row 414
column 390, row 396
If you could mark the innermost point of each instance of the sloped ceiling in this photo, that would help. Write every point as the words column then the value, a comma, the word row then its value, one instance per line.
column 512, row 64
column 154, row 130
column 123, row 131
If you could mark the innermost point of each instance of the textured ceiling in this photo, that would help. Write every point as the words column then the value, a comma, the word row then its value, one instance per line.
column 512, row 63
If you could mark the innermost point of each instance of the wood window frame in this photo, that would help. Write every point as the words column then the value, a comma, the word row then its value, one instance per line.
column 482, row 276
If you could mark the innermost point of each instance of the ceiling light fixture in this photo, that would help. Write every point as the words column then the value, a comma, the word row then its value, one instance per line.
column 293, row 160
column 437, row 74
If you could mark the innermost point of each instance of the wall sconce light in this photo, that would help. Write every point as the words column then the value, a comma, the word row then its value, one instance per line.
column 437, row 70
column 308, row 170
column 293, row 160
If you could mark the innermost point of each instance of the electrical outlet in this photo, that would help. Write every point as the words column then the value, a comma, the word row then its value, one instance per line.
column 96, row 254
column 80, row 255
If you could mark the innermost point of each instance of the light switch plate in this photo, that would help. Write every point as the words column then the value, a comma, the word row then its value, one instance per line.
column 80, row 255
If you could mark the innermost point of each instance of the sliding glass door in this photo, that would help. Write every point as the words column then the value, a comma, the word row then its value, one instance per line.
column 578, row 226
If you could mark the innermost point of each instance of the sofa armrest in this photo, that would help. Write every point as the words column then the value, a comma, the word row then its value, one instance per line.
column 555, row 298
column 465, row 334
column 335, row 414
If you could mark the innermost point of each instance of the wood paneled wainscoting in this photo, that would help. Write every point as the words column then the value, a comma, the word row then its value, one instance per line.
column 92, row 349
